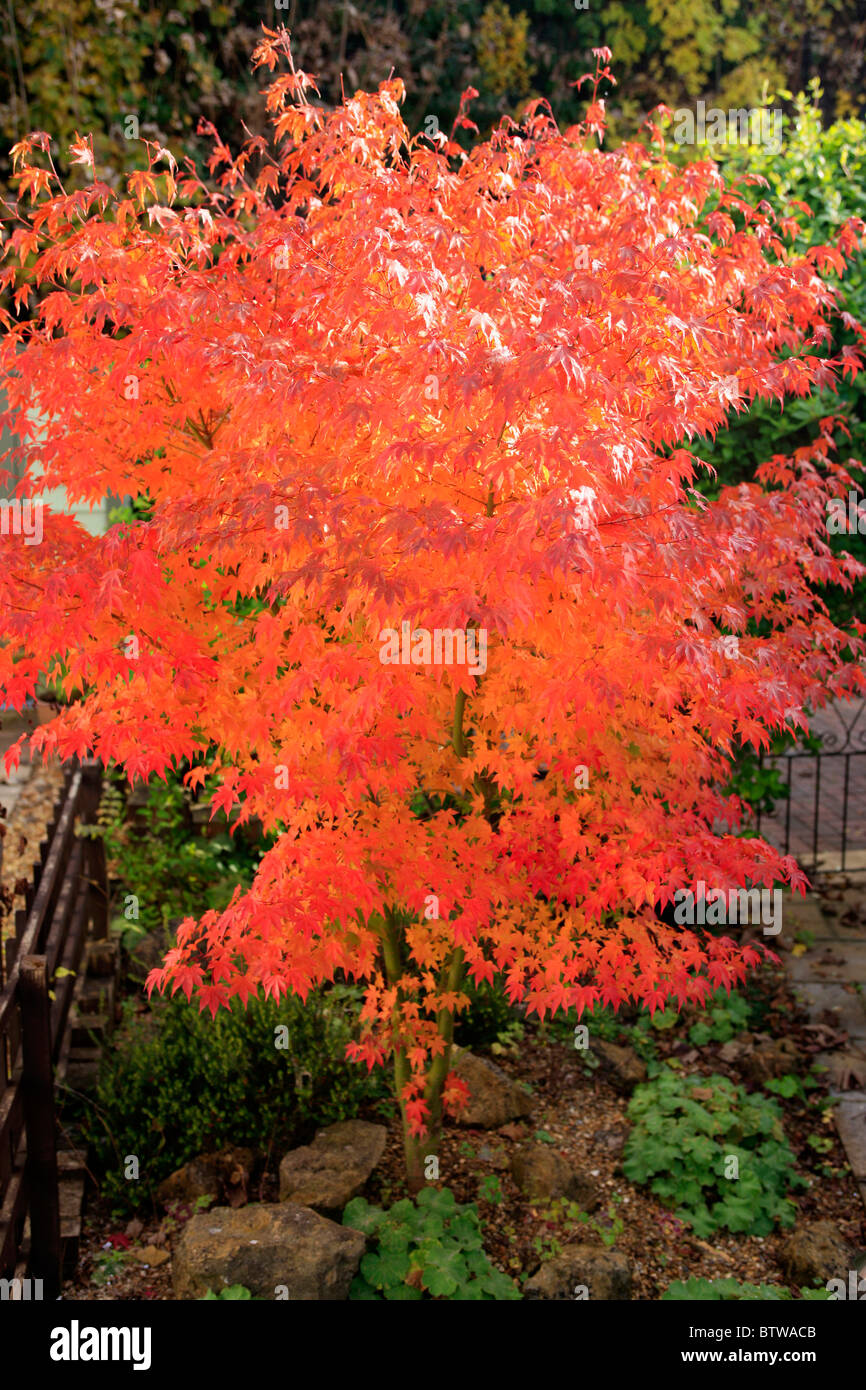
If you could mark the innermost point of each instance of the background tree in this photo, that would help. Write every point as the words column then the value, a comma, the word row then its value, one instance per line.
column 371, row 379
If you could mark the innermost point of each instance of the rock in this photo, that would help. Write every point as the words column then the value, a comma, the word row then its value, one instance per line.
column 621, row 1066
column 147, row 954
column 543, row 1174
column 611, row 1140
column 224, row 1176
column 603, row 1274
column 815, row 1252
column 494, row 1099
column 770, row 1057
column 266, row 1247
column 328, row 1173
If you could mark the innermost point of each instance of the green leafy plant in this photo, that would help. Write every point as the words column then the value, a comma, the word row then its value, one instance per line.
column 790, row 1087
column 724, row 1017
column 429, row 1247
column 686, row 1129
column 158, row 859
column 105, row 1265
column 489, row 1021
column 490, row 1189
column 232, row 1293
column 565, row 1213
column 697, row 1290
column 509, row 1040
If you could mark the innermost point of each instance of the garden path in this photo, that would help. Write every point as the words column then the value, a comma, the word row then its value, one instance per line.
column 829, row 977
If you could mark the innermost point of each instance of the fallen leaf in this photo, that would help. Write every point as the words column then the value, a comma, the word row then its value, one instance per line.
column 846, row 1070
column 512, row 1131
column 150, row 1255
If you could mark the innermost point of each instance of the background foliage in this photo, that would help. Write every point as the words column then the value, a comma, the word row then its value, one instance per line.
column 88, row 64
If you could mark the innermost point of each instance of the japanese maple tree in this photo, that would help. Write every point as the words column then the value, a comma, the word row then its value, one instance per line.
column 367, row 379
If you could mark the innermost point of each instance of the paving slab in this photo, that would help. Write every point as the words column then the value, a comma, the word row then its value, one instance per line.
column 830, row 978
column 802, row 913
column 850, row 1116
column 847, row 1007
column 844, row 963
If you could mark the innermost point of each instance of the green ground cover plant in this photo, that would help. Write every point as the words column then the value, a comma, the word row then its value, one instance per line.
column 687, row 1132
column 697, row 1290
column 431, row 1247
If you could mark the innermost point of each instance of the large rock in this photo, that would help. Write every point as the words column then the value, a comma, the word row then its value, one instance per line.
column 267, row 1247
column 815, row 1252
column 328, row 1173
column 543, row 1174
column 582, row 1271
column 223, row 1176
column 494, row 1099
column 621, row 1066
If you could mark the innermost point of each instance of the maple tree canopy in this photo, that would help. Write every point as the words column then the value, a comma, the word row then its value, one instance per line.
column 369, row 379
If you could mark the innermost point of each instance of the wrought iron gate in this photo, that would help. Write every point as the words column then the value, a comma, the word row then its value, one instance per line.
column 823, row 819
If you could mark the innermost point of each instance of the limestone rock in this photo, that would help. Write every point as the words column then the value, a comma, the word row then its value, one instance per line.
column 328, row 1173
column 267, row 1247
column 223, row 1176
column 815, row 1252
column 770, row 1057
column 602, row 1274
column 543, row 1174
column 494, row 1099
column 621, row 1066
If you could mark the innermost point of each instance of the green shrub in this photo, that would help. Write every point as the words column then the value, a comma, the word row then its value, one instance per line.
column 159, row 859
column 176, row 1083
column 686, row 1128
column 433, row 1236
column 489, row 1020
column 731, row 1290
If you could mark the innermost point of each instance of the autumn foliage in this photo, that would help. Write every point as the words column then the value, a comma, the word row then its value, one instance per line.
column 369, row 379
